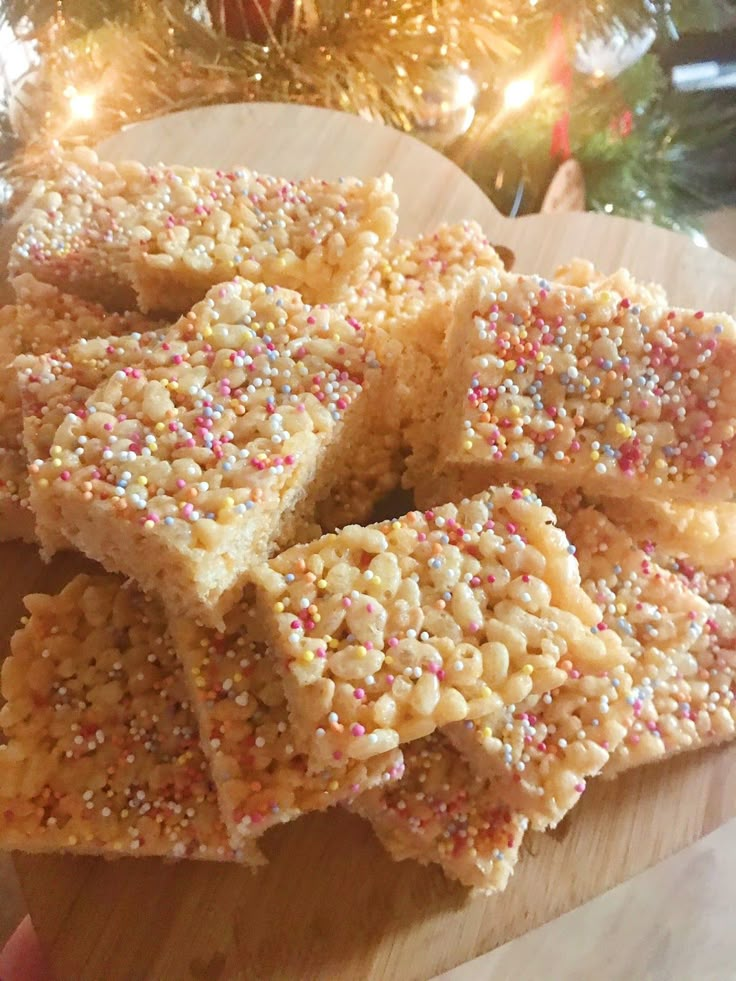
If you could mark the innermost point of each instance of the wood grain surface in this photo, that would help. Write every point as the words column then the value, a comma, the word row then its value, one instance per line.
column 331, row 905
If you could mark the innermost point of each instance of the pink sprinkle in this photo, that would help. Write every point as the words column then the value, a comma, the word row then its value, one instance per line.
column 181, row 483
column 347, row 602
column 393, row 642
column 359, row 694
column 337, row 755
column 65, row 475
column 580, row 787
column 357, row 729
column 473, row 627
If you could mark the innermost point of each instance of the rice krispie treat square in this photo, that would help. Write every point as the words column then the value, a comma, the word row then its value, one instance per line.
column 165, row 235
column 183, row 471
column 238, row 699
column 42, row 319
column 100, row 752
column 678, row 620
column 583, row 387
column 441, row 813
column 388, row 632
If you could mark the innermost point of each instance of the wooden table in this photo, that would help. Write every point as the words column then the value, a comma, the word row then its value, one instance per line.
column 332, row 905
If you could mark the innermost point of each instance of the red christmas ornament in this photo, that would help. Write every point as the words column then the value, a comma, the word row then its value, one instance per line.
column 560, row 69
column 624, row 124
column 560, row 72
column 250, row 19
column 560, row 144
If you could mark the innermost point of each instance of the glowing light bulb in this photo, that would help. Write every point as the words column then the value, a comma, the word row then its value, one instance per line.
column 81, row 105
column 518, row 93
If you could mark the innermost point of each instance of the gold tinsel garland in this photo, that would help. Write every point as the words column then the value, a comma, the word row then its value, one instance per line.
column 404, row 61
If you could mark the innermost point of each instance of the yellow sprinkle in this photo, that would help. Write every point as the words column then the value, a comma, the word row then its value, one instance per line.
column 308, row 656
column 333, row 785
column 146, row 524
column 661, row 464
column 159, row 427
column 595, row 455
column 55, row 450
column 468, row 444
column 322, row 584
column 510, row 365
column 43, row 482
column 515, row 410
column 486, row 732
column 237, row 678
column 143, row 480
column 57, row 463
column 361, row 651
column 278, row 607
column 527, row 669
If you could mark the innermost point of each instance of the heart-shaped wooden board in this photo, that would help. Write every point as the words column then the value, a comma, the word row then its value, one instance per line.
column 331, row 904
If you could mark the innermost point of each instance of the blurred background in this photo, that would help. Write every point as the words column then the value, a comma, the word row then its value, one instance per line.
column 623, row 106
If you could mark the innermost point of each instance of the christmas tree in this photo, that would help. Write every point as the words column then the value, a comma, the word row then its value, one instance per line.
column 509, row 90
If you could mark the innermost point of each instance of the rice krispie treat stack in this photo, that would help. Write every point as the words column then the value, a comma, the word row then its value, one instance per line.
column 42, row 319
column 677, row 619
column 183, row 472
column 238, row 698
column 441, row 812
column 100, row 753
column 389, row 632
column 163, row 236
column 583, row 387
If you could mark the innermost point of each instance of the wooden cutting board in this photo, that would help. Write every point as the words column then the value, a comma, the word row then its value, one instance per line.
column 331, row 905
